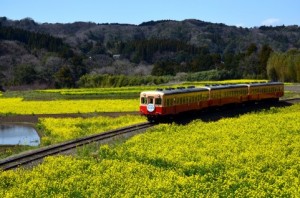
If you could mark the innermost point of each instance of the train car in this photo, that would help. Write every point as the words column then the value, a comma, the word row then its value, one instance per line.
column 228, row 94
column 266, row 91
column 168, row 102
column 171, row 101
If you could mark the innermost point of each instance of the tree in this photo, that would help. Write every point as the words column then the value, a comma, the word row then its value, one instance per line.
column 284, row 66
column 77, row 68
column 1, row 81
column 251, row 49
column 163, row 68
column 249, row 66
column 25, row 74
column 64, row 78
column 263, row 56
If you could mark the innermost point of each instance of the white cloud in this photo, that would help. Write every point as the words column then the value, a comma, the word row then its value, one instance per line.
column 271, row 22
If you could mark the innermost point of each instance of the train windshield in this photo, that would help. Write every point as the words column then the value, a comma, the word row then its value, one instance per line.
column 143, row 100
column 151, row 100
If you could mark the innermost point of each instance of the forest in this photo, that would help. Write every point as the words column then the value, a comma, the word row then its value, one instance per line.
column 89, row 54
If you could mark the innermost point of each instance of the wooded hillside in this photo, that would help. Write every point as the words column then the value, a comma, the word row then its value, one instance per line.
column 60, row 54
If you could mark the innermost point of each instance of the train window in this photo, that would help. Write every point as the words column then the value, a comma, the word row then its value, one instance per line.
column 150, row 101
column 143, row 100
column 169, row 102
column 158, row 101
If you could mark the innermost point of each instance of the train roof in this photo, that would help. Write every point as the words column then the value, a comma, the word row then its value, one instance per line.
column 178, row 90
column 230, row 86
column 265, row 84
column 256, row 84
column 191, row 89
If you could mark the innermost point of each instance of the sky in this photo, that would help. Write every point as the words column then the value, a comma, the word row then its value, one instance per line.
column 243, row 13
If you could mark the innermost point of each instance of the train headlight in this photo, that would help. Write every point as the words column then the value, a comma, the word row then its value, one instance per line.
column 150, row 107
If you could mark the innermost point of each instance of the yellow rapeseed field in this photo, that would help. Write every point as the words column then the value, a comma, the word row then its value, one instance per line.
column 18, row 106
column 253, row 155
column 62, row 129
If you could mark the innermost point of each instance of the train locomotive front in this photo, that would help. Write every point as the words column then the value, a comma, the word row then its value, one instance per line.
column 165, row 103
column 151, row 104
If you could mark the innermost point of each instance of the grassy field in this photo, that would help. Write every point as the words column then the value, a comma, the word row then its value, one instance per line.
column 253, row 155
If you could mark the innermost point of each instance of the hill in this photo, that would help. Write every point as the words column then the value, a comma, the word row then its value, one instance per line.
column 59, row 54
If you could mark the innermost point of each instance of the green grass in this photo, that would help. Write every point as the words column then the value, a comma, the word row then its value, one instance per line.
column 6, row 151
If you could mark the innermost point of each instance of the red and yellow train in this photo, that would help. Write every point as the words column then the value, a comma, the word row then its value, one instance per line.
column 170, row 101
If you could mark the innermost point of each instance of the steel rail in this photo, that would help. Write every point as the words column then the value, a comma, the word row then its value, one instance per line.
column 296, row 100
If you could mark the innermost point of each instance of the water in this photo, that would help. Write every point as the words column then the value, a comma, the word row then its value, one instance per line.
column 18, row 135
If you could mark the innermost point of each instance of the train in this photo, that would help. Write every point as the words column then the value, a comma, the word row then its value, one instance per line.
column 164, row 103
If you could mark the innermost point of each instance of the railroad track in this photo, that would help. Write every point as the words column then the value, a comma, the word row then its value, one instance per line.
column 291, row 100
column 38, row 154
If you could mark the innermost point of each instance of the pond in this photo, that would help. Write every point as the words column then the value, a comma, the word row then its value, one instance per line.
column 18, row 135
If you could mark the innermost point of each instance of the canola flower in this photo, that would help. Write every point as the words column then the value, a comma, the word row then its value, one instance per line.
column 62, row 129
column 18, row 106
column 254, row 155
